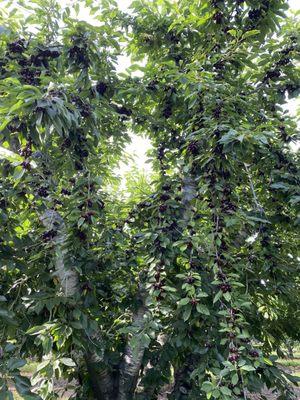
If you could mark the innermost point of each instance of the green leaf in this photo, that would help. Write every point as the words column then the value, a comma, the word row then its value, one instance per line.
column 16, row 106
column 22, row 384
column 15, row 363
column 257, row 219
column 280, row 185
column 295, row 200
column 19, row 172
column 225, row 390
column 268, row 361
column 43, row 365
column 216, row 393
column 80, row 222
column 247, row 34
column 227, row 296
column 202, row 309
column 229, row 137
column 233, row 32
column 248, row 368
column 292, row 378
column 36, row 330
column 5, row 122
column 187, row 312
column 218, row 296
column 170, row 289
column 47, row 344
column 183, row 302
column 234, row 379
column 202, row 294
column 67, row 361
column 207, row 386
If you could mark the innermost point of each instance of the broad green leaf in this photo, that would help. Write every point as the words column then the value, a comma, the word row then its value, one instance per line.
column 15, row 363
column 67, row 361
column 202, row 309
column 183, row 302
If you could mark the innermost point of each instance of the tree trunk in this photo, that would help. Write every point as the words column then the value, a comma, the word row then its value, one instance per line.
column 101, row 380
column 133, row 356
column 152, row 392
column 289, row 346
column 181, row 386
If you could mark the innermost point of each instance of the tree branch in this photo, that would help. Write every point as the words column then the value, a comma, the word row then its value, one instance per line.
column 68, row 277
column 189, row 193
column 258, row 205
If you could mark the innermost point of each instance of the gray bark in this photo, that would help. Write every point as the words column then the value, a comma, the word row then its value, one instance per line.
column 289, row 346
column 100, row 377
column 133, row 356
column 67, row 277
column 150, row 392
column 189, row 193
column 189, row 188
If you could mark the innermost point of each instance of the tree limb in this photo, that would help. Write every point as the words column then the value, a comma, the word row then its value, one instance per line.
column 68, row 277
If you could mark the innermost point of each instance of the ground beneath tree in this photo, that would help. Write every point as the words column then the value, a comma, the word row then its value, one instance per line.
column 295, row 370
column 267, row 393
column 271, row 396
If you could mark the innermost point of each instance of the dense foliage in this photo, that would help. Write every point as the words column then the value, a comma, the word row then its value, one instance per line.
column 189, row 283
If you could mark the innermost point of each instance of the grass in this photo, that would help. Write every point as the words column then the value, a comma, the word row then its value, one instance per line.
column 291, row 362
column 287, row 362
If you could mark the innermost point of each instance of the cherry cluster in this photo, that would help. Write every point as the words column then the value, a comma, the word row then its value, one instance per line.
column 49, row 235
column 43, row 191
column 32, row 65
column 26, row 152
column 17, row 47
column 158, row 285
column 78, row 53
column 101, row 87
column 194, row 147
column 124, row 111
column 84, row 108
